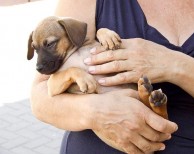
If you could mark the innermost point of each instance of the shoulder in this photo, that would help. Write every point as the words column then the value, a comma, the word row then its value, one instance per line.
column 73, row 7
column 83, row 10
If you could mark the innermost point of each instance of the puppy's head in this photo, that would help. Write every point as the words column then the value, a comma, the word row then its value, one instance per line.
column 53, row 40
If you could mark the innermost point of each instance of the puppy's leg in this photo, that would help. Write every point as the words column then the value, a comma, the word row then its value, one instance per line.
column 61, row 81
column 109, row 39
column 156, row 100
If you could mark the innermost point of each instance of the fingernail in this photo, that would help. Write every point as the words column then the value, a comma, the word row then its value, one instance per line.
column 169, row 137
column 87, row 60
column 101, row 81
column 162, row 148
column 176, row 128
column 93, row 50
column 91, row 69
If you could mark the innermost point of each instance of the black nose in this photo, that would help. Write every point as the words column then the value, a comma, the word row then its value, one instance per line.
column 39, row 68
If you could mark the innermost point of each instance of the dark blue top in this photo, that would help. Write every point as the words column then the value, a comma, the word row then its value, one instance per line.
column 127, row 19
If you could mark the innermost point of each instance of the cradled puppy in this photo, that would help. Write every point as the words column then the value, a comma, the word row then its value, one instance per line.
column 56, row 39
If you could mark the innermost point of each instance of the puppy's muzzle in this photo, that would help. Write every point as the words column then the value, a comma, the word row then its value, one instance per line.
column 49, row 67
column 48, row 63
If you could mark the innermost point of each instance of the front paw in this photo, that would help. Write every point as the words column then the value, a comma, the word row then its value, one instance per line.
column 87, row 84
column 144, row 85
column 109, row 39
column 158, row 98
column 144, row 89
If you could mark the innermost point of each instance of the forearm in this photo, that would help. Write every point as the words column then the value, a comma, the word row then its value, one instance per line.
column 65, row 111
column 181, row 71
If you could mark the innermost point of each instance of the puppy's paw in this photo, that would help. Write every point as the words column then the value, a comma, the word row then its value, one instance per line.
column 109, row 39
column 157, row 98
column 144, row 89
column 87, row 84
column 144, row 85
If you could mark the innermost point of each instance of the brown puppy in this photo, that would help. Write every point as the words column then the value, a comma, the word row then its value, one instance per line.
column 55, row 40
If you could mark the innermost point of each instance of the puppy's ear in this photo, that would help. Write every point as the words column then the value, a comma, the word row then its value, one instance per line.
column 30, row 53
column 75, row 29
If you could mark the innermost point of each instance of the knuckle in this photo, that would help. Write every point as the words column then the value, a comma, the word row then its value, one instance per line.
column 110, row 55
column 98, row 68
column 135, row 128
column 120, row 142
column 156, row 137
column 93, row 58
column 131, row 150
column 146, row 148
column 116, row 65
column 162, row 127
column 122, row 77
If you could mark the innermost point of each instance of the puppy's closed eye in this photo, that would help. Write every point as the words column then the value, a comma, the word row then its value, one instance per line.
column 48, row 44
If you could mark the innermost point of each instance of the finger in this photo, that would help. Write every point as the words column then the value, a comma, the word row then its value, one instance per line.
column 153, row 135
column 120, row 78
column 108, row 56
column 160, row 124
column 97, row 49
column 145, row 145
column 110, row 67
column 131, row 148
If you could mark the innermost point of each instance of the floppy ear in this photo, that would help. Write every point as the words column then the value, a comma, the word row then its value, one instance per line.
column 30, row 53
column 75, row 29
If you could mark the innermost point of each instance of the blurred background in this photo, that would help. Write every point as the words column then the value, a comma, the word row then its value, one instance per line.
column 20, row 131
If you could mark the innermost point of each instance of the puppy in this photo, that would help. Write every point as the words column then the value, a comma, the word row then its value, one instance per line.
column 61, row 46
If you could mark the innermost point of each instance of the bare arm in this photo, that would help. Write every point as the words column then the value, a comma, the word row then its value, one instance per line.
column 70, row 112
column 138, row 126
column 182, row 72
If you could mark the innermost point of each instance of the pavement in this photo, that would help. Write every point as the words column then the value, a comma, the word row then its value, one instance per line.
column 20, row 131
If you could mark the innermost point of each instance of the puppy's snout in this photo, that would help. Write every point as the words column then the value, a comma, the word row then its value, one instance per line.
column 39, row 68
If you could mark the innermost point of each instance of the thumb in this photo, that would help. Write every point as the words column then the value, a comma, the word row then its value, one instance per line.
column 160, row 124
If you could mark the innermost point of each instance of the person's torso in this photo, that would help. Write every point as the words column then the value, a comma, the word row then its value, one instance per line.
column 126, row 17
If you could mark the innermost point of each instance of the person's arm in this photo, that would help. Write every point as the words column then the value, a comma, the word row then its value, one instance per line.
column 69, row 112
column 117, row 114
column 141, row 57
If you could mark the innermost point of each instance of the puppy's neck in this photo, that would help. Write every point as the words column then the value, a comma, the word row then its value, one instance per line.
column 88, row 41
column 70, row 51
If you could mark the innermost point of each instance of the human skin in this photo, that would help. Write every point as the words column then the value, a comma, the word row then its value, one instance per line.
column 174, row 20
column 159, row 63
column 133, row 126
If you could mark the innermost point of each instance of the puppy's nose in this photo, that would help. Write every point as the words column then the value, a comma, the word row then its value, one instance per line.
column 39, row 68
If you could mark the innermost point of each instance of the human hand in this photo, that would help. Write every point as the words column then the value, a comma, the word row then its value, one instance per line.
column 136, row 57
column 128, row 125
